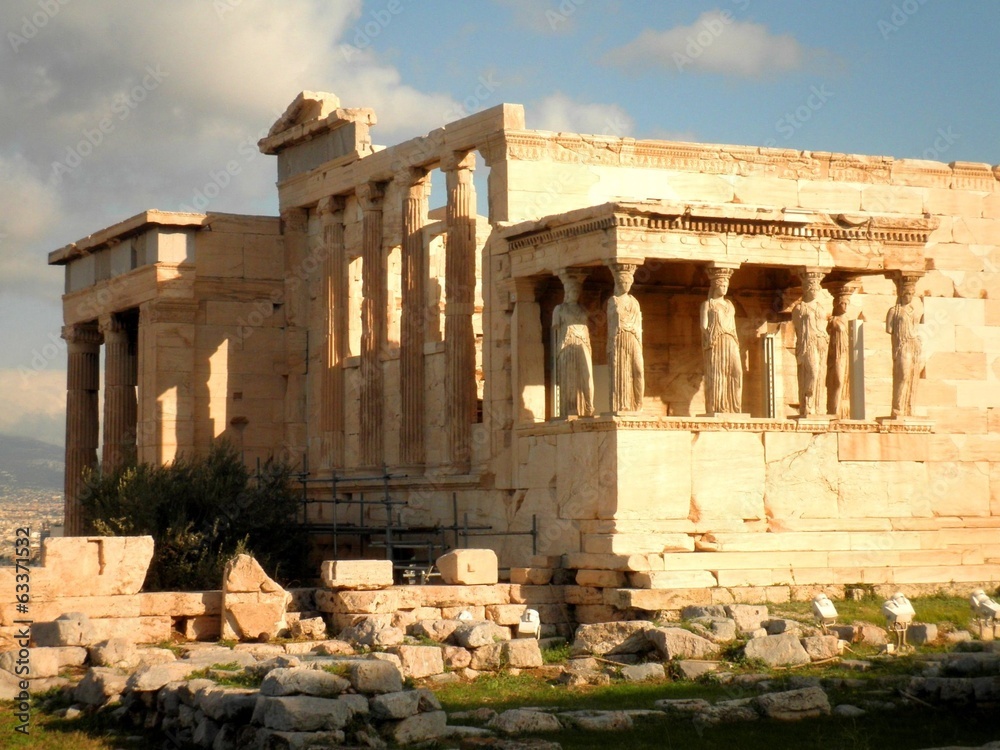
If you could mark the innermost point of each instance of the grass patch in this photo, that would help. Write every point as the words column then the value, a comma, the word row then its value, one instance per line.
column 556, row 654
column 238, row 677
column 902, row 729
column 48, row 732
column 341, row 670
column 938, row 609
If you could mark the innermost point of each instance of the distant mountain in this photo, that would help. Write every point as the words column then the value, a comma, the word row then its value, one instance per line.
column 30, row 464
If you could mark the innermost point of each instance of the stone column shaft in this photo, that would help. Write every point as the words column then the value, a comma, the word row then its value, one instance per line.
column 120, row 407
column 83, row 382
column 460, row 291
column 527, row 353
column 413, row 332
column 374, row 326
column 335, row 304
column 295, row 228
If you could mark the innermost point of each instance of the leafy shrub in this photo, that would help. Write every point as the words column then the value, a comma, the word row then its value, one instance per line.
column 200, row 512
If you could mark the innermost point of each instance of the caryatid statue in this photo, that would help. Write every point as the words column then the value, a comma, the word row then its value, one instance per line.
column 625, row 365
column 902, row 322
column 571, row 343
column 721, row 347
column 809, row 318
column 838, row 365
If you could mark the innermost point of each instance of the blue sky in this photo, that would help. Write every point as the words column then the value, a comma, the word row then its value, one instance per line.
column 188, row 83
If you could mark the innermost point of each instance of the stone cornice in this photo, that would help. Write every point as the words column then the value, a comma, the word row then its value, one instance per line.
column 657, row 217
column 712, row 424
column 725, row 159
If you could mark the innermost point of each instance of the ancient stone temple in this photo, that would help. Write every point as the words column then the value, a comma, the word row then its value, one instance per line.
column 685, row 366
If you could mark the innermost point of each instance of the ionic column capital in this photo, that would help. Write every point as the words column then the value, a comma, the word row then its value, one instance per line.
column 110, row 325
column 370, row 195
column 412, row 177
column 294, row 220
column 576, row 274
column 811, row 273
column 85, row 333
column 329, row 207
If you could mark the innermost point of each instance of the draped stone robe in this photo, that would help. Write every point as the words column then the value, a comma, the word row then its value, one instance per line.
column 625, row 365
column 723, row 366
column 574, row 363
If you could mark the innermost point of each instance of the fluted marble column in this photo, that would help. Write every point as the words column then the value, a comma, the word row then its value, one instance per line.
column 83, row 381
column 375, row 293
column 460, row 295
column 120, row 379
column 413, row 333
column 335, row 304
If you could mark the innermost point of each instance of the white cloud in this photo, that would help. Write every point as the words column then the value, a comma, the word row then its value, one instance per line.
column 543, row 16
column 228, row 69
column 39, row 411
column 560, row 113
column 715, row 43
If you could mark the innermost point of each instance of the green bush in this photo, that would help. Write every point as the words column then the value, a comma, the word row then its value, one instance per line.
column 201, row 512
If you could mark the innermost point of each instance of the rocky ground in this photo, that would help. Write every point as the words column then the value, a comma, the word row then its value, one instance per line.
column 370, row 687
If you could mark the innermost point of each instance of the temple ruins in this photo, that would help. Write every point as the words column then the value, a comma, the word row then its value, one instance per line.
column 664, row 368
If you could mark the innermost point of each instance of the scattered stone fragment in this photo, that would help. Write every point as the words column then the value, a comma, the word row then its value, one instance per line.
column 469, row 567
column 522, row 653
column 677, row 643
column 821, row 647
column 601, row 639
column 302, row 681
column 596, row 721
column 359, row 575
column 114, row 652
column 748, row 617
column 419, row 728
column 682, row 706
column 100, row 686
column 477, row 634
column 253, row 605
column 777, row 650
column 395, row 706
column 847, row 711
column 374, row 677
column 70, row 629
column 691, row 669
column 920, row 633
column 643, row 672
column 436, row 630
column 794, row 705
column 420, row 661
column 313, row 628
column 524, row 721
column 716, row 629
column 369, row 633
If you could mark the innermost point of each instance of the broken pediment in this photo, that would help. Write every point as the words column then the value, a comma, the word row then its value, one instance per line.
column 314, row 116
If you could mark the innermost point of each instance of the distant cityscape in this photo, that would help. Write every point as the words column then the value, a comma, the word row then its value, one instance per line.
column 31, row 492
